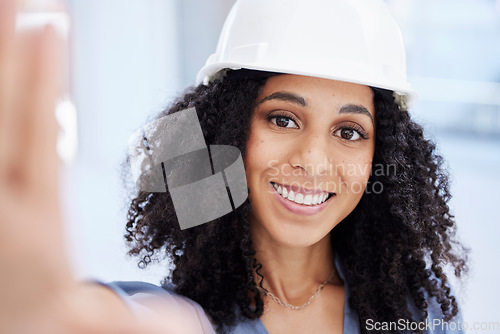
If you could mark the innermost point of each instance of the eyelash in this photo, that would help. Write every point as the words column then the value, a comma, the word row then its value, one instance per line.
column 281, row 115
column 355, row 127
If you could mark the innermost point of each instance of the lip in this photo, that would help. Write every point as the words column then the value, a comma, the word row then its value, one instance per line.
column 299, row 209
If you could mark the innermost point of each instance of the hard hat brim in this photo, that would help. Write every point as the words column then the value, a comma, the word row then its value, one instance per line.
column 214, row 71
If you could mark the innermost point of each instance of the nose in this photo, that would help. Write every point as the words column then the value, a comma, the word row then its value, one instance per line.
column 311, row 154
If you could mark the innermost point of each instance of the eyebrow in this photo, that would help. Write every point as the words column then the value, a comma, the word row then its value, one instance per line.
column 294, row 98
column 355, row 109
column 285, row 96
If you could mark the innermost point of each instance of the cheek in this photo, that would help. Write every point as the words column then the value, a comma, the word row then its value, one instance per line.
column 263, row 152
column 355, row 174
column 257, row 155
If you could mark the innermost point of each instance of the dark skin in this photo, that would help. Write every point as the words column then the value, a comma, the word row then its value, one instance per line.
column 382, row 243
column 303, row 134
column 402, row 228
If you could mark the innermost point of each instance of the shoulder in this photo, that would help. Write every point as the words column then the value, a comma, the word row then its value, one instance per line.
column 145, row 298
column 432, row 324
column 133, row 287
column 142, row 297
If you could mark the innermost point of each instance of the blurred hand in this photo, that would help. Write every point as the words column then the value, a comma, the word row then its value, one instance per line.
column 38, row 293
column 32, row 253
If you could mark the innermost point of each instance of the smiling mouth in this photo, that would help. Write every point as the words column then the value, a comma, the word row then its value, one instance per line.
column 303, row 197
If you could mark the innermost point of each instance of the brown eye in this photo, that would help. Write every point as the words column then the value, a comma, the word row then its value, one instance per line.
column 283, row 122
column 348, row 134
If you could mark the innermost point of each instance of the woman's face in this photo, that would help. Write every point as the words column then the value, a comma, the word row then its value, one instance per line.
column 308, row 156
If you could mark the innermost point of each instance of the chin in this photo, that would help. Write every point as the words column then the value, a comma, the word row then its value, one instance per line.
column 291, row 234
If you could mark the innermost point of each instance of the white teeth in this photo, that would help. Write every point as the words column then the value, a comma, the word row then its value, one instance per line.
column 308, row 199
column 299, row 198
column 315, row 199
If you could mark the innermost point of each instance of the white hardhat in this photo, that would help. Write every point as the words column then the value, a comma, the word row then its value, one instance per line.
column 348, row 40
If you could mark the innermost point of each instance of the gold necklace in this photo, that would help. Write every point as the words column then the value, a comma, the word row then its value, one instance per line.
column 301, row 307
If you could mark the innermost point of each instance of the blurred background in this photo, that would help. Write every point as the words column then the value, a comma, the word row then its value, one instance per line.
column 130, row 58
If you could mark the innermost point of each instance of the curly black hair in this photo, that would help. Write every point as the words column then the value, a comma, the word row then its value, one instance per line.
column 394, row 246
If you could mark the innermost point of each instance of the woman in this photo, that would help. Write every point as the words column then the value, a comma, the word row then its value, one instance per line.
column 346, row 227
column 270, row 245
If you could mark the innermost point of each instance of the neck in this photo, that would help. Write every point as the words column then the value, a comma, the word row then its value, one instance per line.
column 293, row 273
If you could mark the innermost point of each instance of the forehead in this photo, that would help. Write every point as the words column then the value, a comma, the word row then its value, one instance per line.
column 318, row 90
